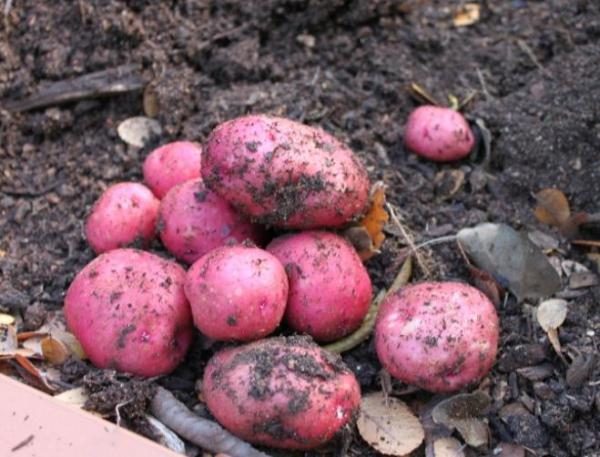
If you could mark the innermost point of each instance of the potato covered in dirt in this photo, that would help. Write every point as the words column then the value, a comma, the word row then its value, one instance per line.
column 237, row 293
column 439, row 336
column 128, row 310
column 172, row 164
column 124, row 215
column 281, row 392
column 438, row 134
column 194, row 220
column 284, row 173
column 330, row 289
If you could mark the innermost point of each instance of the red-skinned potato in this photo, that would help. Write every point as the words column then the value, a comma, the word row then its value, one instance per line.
column 438, row 134
column 237, row 293
column 194, row 220
column 171, row 164
column 284, row 173
column 281, row 392
column 125, row 214
column 330, row 289
column 439, row 336
column 128, row 310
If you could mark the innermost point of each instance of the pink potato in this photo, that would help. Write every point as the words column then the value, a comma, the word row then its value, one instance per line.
column 281, row 392
column 194, row 220
column 439, row 134
column 439, row 336
column 330, row 289
column 284, row 173
column 128, row 310
column 237, row 293
column 171, row 164
column 125, row 214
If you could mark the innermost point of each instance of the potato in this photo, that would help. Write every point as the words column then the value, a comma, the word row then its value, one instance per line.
column 128, row 310
column 281, row 392
column 439, row 134
column 330, row 289
column 171, row 164
column 237, row 293
column 439, row 336
column 194, row 220
column 284, row 173
column 125, row 214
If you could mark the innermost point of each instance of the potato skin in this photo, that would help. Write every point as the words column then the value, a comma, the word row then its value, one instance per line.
column 330, row 289
column 125, row 214
column 128, row 310
column 281, row 392
column 439, row 336
column 171, row 164
column 283, row 173
column 194, row 220
column 438, row 134
column 237, row 293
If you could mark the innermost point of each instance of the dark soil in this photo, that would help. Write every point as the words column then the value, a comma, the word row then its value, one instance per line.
column 343, row 65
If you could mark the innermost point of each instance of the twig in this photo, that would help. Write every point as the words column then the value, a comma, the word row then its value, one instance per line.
column 484, row 89
column 527, row 50
column 126, row 78
column 409, row 241
column 202, row 432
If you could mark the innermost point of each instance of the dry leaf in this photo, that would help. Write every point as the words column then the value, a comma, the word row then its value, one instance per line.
column 150, row 101
column 76, row 397
column 6, row 319
column 511, row 258
column 8, row 339
column 137, row 131
column 54, row 351
column 552, row 207
column 468, row 14
column 388, row 425
column 448, row 183
column 448, row 447
column 34, row 372
column 368, row 236
column 551, row 313
column 462, row 412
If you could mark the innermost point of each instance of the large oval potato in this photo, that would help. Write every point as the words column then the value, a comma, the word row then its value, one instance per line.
column 281, row 392
column 439, row 336
column 284, row 173
column 128, row 310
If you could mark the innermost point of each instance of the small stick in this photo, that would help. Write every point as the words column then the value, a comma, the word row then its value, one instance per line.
column 202, row 432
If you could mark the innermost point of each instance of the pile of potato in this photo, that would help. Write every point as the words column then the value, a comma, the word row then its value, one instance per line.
column 212, row 206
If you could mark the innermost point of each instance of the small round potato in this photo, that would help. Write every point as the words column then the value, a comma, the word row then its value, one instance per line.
column 128, row 310
column 284, row 173
column 438, row 134
column 281, row 392
column 330, row 289
column 124, row 215
column 172, row 164
column 194, row 220
column 237, row 293
column 439, row 336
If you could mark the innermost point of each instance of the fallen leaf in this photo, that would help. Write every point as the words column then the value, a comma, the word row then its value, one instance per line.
column 34, row 372
column 551, row 313
column 511, row 258
column 368, row 236
column 552, row 207
column 6, row 319
column 448, row 447
column 8, row 339
column 388, row 425
column 486, row 283
column 468, row 14
column 76, row 397
column 462, row 412
column 54, row 350
column 137, row 131
column 582, row 279
column 150, row 101
column 448, row 183
column 580, row 369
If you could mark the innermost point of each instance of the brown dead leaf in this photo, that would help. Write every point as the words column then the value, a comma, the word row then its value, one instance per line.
column 54, row 350
column 368, row 236
column 468, row 14
column 34, row 372
column 552, row 207
column 462, row 412
column 448, row 183
column 448, row 447
column 551, row 313
column 388, row 425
